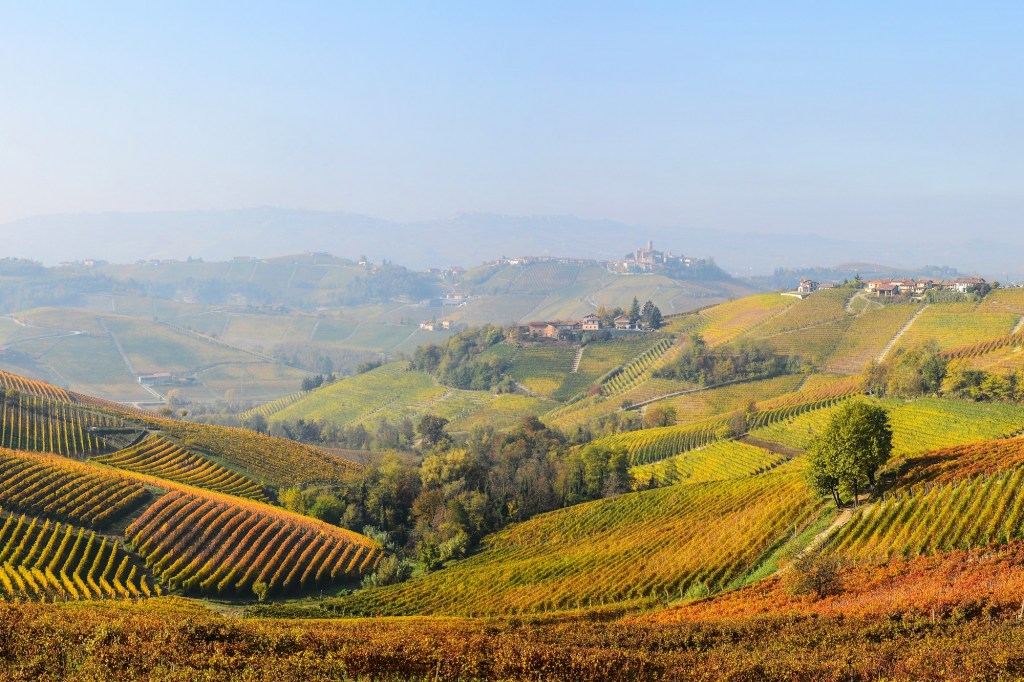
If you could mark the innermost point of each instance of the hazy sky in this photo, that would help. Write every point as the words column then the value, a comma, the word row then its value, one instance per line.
column 757, row 116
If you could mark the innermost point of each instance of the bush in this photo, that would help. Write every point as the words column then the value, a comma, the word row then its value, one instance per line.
column 815, row 573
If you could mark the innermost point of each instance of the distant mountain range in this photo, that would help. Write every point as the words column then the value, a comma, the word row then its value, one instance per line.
column 466, row 240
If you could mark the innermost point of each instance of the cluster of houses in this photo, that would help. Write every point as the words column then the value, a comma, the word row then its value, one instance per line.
column 902, row 286
column 915, row 287
column 591, row 322
column 436, row 326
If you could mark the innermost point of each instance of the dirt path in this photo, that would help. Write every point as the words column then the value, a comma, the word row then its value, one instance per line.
column 903, row 330
column 771, row 446
column 844, row 515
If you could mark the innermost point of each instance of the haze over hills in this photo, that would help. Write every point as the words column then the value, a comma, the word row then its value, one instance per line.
column 466, row 239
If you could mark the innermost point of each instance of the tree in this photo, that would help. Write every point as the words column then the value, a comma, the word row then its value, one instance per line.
column 659, row 415
column 260, row 589
column 848, row 453
column 257, row 422
column 431, row 429
column 634, row 312
column 656, row 320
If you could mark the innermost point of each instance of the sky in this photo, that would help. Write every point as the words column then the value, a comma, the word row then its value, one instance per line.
column 878, row 118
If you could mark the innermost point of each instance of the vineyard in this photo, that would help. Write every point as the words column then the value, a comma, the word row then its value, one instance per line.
column 930, row 423
column 390, row 389
column 270, row 408
column 950, row 325
column 816, row 387
column 820, row 308
column 814, row 345
column 716, row 462
column 867, row 335
column 729, row 320
column 500, row 412
column 275, row 461
column 1004, row 301
column 651, row 445
column 714, row 401
column 597, row 360
column 633, row 373
column 541, row 369
column 214, row 546
column 573, row 414
column 65, row 490
column 12, row 382
column 937, row 517
column 544, row 277
column 931, row 586
column 48, row 561
column 28, row 422
column 653, row 545
column 158, row 456
column 962, row 461
column 918, row 426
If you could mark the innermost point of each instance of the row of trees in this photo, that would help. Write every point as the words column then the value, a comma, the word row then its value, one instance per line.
column 457, row 361
column 744, row 360
column 924, row 371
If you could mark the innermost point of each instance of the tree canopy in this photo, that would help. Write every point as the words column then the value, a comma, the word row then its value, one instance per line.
column 844, row 458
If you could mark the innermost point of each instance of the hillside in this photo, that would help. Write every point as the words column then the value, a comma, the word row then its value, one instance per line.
column 97, row 503
column 701, row 540
column 247, row 331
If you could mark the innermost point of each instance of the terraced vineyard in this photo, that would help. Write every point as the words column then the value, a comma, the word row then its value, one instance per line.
column 217, row 545
column 500, row 412
column 930, row 423
column 65, row 490
column 654, row 545
column 28, row 422
column 158, row 456
column 918, row 426
column 361, row 397
column 270, row 408
column 651, row 445
column 1004, row 301
column 729, row 320
column 959, row 515
column 714, row 401
column 867, row 335
column 597, row 360
column 541, row 369
column 820, row 308
column 715, row 462
column 274, row 461
column 14, row 382
column 637, row 370
column 49, row 561
column 956, row 324
column 814, row 345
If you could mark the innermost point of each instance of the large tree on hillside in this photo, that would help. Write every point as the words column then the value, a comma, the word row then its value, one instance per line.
column 844, row 458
